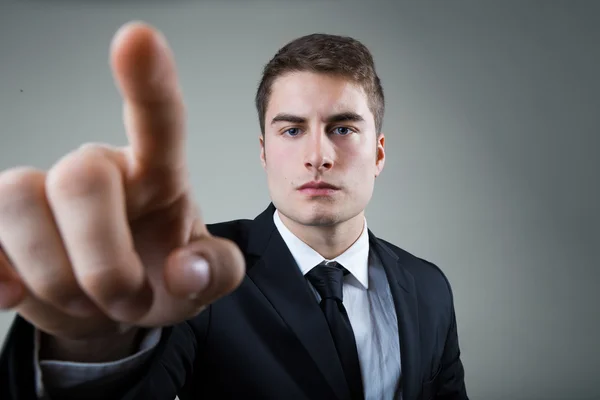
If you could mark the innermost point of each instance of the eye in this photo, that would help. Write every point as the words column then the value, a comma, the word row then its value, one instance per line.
column 343, row 130
column 292, row 132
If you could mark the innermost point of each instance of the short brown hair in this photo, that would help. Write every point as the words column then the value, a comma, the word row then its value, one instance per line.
column 324, row 53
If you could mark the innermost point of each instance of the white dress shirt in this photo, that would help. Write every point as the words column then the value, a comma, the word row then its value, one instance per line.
column 367, row 299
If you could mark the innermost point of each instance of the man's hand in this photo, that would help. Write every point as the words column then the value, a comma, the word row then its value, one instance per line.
column 110, row 237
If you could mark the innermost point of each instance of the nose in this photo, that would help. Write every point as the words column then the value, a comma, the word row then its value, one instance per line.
column 318, row 152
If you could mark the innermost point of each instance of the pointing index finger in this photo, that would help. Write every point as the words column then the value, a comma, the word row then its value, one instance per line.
column 154, row 113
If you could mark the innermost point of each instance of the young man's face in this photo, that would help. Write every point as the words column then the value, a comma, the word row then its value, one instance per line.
column 319, row 130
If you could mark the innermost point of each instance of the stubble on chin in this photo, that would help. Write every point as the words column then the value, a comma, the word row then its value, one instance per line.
column 317, row 213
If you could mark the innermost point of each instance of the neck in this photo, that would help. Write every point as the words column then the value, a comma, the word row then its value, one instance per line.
column 329, row 241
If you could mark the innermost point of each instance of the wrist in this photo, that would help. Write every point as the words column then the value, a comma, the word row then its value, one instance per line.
column 97, row 350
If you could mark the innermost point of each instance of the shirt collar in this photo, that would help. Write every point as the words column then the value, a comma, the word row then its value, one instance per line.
column 355, row 259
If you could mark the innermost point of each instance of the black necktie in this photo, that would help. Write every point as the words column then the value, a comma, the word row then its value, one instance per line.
column 327, row 278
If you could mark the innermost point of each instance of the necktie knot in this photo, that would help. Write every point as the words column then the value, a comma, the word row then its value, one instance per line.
column 328, row 280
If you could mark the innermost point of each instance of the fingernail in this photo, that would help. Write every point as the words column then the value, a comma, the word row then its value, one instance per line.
column 196, row 275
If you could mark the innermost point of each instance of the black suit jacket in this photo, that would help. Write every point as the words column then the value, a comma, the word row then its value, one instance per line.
column 269, row 338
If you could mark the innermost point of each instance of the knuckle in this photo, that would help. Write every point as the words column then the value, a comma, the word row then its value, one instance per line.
column 20, row 189
column 107, row 284
column 83, row 173
column 56, row 288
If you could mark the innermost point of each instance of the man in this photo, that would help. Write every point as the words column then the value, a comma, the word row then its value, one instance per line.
column 122, row 292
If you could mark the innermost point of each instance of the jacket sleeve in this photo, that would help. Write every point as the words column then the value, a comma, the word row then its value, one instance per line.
column 162, row 376
column 451, row 379
column 64, row 375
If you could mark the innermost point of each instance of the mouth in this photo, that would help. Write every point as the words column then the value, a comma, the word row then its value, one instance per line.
column 315, row 188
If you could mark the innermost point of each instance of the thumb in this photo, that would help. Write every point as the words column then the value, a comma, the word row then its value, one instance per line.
column 205, row 269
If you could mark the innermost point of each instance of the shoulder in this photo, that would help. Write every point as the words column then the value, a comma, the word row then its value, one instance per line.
column 235, row 230
column 431, row 284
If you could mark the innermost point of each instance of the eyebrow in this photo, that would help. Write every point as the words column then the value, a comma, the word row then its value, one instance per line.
column 347, row 116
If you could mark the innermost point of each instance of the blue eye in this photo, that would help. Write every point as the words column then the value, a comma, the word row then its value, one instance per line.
column 292, row 131
column 343, row 130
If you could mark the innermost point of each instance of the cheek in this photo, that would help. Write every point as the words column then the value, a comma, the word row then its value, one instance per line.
column 274, row 156
column 361, row 167
column 279, row 159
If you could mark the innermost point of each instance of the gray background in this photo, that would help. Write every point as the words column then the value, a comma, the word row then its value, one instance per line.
column 492, row 146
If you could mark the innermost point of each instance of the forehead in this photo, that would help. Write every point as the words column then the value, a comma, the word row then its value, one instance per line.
column 308, row 94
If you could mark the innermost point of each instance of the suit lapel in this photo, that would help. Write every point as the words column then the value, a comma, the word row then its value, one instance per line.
column 405, row 301
column 277, row 276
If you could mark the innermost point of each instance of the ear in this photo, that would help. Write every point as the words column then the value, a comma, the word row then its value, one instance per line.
column 263, row 160
column 380, row 157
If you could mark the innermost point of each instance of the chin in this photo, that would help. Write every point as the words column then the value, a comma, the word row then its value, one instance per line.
column 317, row 211
column 321, row 220
column 316, row 214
